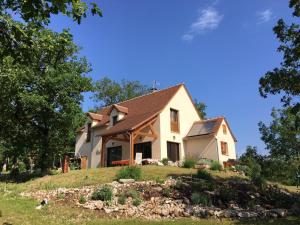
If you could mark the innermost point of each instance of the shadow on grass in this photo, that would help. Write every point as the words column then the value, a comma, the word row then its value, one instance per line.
column 21, row 177
column 281, row 221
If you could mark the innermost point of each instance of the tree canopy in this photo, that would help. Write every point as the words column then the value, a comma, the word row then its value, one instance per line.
column 107, row 91
column 201, row 107
column 282, row 135
column 285, row 79
column 40, row 99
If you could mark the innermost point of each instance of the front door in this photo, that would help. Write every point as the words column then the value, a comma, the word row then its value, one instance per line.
column 114, row 154
column 173, row 151
column 145, row 148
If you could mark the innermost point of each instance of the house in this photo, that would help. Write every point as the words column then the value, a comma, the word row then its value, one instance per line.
column 162, row 124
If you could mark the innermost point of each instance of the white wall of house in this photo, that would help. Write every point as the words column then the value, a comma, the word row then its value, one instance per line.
column 228, row 138
column 202, row 147
column 187, row 116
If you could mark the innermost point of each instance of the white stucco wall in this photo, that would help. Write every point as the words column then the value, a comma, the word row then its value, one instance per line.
column 202, row 147
column 187, row 116
column 230, row 143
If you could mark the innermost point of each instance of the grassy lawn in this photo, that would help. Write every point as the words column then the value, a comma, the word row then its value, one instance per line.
column 18, row 210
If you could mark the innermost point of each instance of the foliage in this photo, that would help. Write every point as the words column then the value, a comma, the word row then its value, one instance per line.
column 282, row 136
column 165, row 161
column 203, row 174
column 242, row 168
column 131, row 193
column 104, row 194
column 41, row 95
column 205, row 161
column 122, row 199
column 82, row 199
column 129, row 172
column 137, row 201
column 40, row 11
column 250, row 155
column 200, row 198
column 285, row 79
column 159, row 180
column 215, row 165
column 201, row 107
column 227, row 193
column 166, row 192
column 109, row 92
column 189, row 162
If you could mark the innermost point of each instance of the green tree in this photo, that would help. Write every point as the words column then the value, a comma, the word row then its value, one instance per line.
column 285, row 79
column 201, row 107
column 40, row 11
column 40, row 99
column 250, row 155
column 109, row 92
column 282, row 135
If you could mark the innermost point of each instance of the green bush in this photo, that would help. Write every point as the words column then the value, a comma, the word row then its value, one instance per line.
column 122, row 199
column 189, row 162
column 104, row 194
column 227, row 194
column 137, row 202
column 205, row 161
column 243, row 168
column 215, row 165
column 132, row 193
column 159, row 180
column 200, row 198
column 82, row 199
column 165, row 161
column 129, row 172
column 203, row 174
column 166, row 192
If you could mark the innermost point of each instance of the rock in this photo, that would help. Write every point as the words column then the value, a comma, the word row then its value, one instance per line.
column 243, row 215
column 280, row 212
column 98, row 205
column 165, row 212
column 39, row 207
column 126, row 181
column 295, row 209
column 108, row 210
column 158, row 189
column 186, row 200
column 219, row 214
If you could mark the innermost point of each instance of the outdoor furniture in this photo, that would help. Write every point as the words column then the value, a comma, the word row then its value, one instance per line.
column 120, row 163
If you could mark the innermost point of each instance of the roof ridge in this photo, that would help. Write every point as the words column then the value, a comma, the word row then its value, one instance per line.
column 214, row 118
column 142, row 96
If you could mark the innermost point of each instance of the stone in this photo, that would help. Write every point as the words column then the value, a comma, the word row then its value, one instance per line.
column 98, row 205
column 280, row 212
column 243, row 215
column 165, row 212
column 126, row 181
column 108, row 210
column 218, row 214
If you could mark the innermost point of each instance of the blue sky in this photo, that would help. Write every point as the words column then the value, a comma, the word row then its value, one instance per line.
column 219, row 49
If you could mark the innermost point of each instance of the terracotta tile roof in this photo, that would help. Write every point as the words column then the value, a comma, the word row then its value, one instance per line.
column 140, row 109
column 207, row 127
column 119, row 108
column 95, row 116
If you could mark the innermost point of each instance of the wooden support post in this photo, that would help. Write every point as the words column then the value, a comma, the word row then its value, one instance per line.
column 131, row 142
column 66, row 161
column 103, row 148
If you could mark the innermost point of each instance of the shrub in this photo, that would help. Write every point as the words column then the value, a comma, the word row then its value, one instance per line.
column 129, row 172
column 165, row 161
column 215, row 166
column 122, row 199
column 166, row 192
column 82, row 199
column 104, row 194
column 200, row 198
column 243, row 168
column 203, row 174
column 132, row 193
column 227, row 194
column 22, row 167
column 159, row 180
column 137, row 202
column 189, row 162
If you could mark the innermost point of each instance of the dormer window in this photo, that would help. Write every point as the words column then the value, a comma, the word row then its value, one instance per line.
column 114, row 120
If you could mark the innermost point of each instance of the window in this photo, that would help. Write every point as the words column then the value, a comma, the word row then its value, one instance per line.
column 114, row 120
column 224, row 129
column 173, row 151
column 174, row 120
column 224, row 148
column 88, row 135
